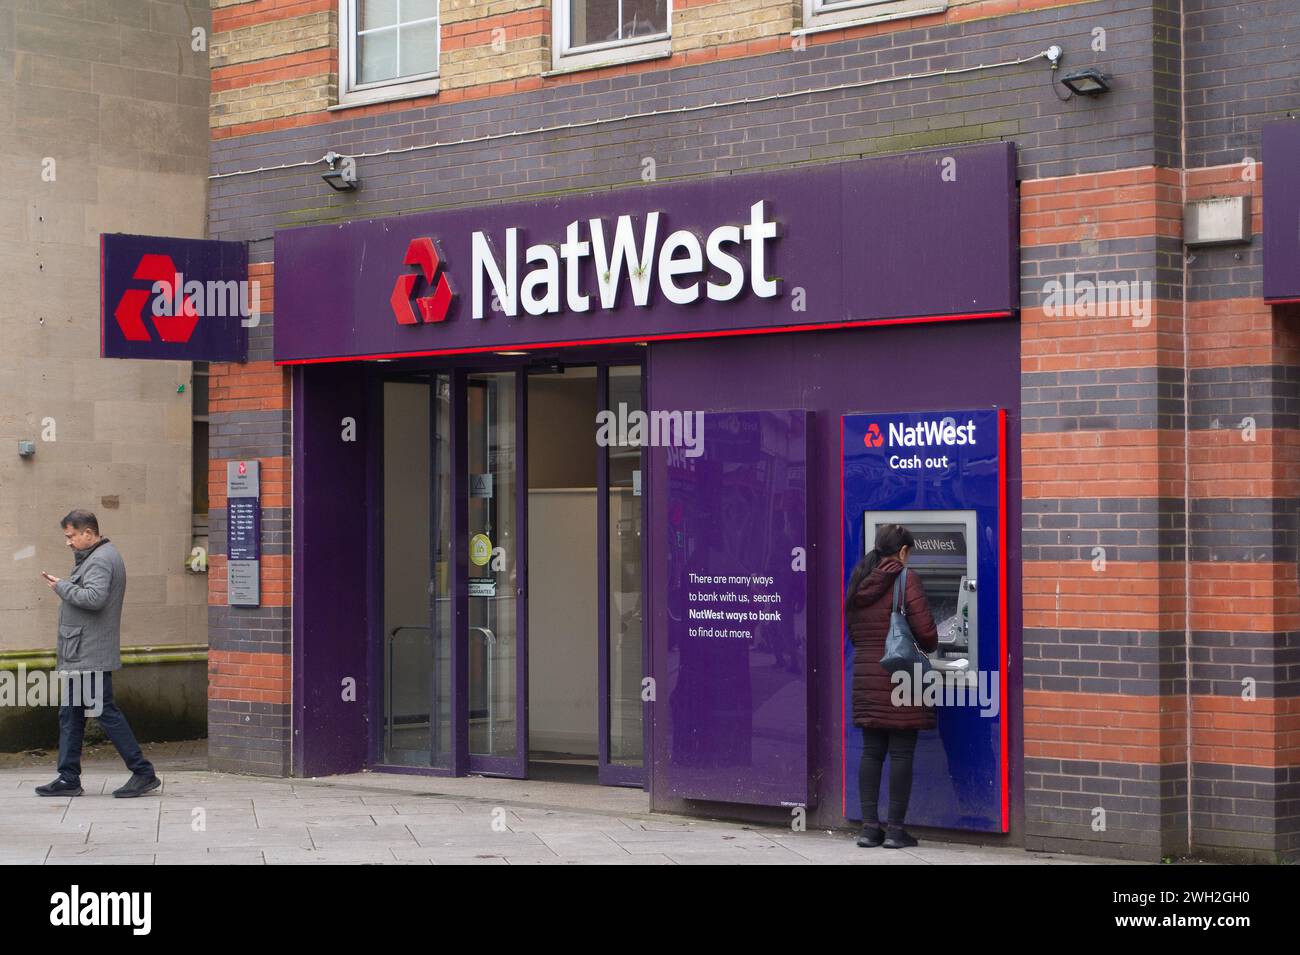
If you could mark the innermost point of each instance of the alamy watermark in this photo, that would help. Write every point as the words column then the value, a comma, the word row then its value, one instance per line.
column 940, row 687
column 83, row 688
column 1088, row 298
column 211, row 298
column 659, row 429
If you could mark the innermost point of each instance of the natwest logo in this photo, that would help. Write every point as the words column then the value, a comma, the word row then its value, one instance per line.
column 927, row 433
column 554, row 274
column 174, row 325
column 873, row 438
column 433, row 306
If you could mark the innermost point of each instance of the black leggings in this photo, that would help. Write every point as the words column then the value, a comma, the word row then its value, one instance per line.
column 901, row 745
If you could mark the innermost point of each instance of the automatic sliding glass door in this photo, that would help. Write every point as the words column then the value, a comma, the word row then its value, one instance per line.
column 622, row 644
column 417, row 685
column 496, row 627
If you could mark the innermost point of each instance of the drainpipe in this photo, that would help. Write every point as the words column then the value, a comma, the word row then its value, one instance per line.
column 1187, row 396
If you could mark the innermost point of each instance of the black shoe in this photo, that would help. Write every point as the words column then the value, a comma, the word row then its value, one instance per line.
column 899, row 838
column 870, row 837
column 138, row 786
column 60, row 787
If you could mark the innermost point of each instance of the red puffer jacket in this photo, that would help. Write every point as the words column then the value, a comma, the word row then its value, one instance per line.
column 867, row 619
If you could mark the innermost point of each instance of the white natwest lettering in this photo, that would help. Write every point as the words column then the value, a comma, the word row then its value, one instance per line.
column 932, row 432
column 677, row 259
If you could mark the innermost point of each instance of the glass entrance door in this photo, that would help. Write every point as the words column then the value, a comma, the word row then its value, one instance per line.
column 454, row 574
column 495, row 631
column 622, row 641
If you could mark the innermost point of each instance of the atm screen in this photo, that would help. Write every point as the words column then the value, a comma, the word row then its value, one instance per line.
column 939, row 558
column 945, row 563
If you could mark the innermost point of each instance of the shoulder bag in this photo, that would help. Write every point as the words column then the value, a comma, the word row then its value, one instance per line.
column 901, row 651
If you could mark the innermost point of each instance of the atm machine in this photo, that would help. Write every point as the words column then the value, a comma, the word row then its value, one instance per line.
column 945, row 559
column 942, row 475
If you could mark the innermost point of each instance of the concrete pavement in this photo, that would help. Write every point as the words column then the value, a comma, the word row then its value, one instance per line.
column 200, row 817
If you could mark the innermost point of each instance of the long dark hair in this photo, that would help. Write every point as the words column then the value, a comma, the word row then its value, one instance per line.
column 890, row 539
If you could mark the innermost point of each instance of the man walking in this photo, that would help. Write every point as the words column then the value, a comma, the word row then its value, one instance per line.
column 90, row 641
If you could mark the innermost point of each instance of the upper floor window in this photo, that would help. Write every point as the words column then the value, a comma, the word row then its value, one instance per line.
column 387, row 49
column 828, row 14
column 593, row 32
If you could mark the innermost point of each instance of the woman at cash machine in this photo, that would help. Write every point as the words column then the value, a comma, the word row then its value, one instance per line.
column 886, row 727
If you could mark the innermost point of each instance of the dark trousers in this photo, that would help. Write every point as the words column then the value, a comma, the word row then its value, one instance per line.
column 72, row 727
column 901, row 746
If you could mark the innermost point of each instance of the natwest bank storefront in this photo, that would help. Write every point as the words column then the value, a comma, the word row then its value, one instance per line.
column 577, row 483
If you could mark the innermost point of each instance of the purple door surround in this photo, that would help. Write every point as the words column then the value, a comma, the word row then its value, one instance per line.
column 331, row 578
column 924, row 235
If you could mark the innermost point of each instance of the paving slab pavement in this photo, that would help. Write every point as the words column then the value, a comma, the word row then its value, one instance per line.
column 200, row 817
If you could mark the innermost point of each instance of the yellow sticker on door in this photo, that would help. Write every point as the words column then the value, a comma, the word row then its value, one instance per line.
column 480, row 549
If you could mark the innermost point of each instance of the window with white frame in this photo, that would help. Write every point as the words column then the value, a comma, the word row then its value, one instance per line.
column 387, row 49
column 590, row 32
column 827, row 14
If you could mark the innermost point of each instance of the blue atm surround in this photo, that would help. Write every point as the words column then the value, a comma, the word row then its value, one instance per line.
column 960, row 776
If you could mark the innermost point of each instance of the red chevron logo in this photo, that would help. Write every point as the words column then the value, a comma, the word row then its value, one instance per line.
column 129, row 312
column 433, row 306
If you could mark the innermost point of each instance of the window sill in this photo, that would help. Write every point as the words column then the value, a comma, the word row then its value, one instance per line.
column 386, row 94
column 582, row 62
column 846, row 19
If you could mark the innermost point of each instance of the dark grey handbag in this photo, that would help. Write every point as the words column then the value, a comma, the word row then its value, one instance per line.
column 901, row 651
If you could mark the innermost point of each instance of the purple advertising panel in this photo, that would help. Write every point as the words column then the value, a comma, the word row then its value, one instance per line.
column 1282, row 211
column 924, row 236
column 174, row 299
column 735, row 703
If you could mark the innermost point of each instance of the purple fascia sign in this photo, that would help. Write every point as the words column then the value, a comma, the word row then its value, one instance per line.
column 1282, row 211
column 919, row 237
column 175, row 299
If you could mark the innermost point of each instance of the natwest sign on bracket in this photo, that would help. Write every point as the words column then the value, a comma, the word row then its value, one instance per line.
column 839, row 245
column 175, row 299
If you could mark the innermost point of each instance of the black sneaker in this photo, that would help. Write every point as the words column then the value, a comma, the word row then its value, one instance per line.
column 60, row 787
column 138, row 786
column 899, row 839
column 870, row 837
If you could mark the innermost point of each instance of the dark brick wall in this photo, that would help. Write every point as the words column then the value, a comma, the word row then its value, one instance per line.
column 1144, row 259
column 248, row 434
column 1145, row 808
column 249, row 629
column 1054, row 138
column 248, row 737
column 1102, row 399
column 1132, row 662
column 1241, row 73
column 1130, row 529
column 1222, row 660
column 1246, row 812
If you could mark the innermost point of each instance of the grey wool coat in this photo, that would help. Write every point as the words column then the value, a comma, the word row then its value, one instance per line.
column 90, row 617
